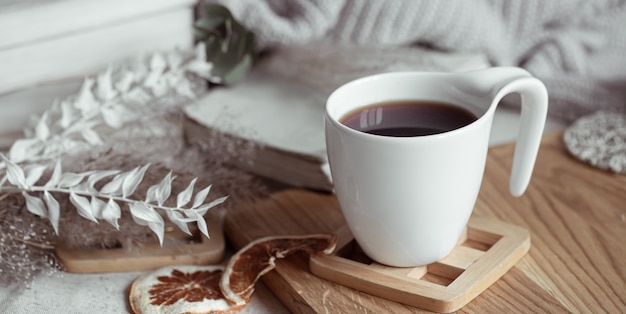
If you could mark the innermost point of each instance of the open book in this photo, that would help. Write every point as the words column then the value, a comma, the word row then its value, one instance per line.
column 280, row 104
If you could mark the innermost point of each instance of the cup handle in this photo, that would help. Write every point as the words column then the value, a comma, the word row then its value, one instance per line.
column 534, row 109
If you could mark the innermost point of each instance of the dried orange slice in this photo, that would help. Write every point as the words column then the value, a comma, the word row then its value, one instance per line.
column 181, row 289
column 217, row 289
column 258, row 257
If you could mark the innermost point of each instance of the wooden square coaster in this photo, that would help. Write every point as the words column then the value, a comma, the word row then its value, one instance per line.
column 486, row 251
column 178, row 249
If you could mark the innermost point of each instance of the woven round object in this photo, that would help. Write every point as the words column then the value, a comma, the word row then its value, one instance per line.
column 600, row 140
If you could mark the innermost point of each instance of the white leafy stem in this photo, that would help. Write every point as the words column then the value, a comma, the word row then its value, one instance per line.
column 104, row 203
column 109, row 101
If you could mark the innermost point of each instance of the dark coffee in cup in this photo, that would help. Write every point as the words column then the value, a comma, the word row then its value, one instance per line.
column 408, row 118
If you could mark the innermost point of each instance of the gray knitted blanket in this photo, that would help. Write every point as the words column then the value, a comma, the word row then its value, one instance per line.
column 576, row 47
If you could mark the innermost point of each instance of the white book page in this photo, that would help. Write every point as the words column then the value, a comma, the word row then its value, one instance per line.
column 268, row 109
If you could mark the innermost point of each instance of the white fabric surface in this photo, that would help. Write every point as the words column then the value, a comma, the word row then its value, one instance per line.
column 67, row 293
column 576, row 47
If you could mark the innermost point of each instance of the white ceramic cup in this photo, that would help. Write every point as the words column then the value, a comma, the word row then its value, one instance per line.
column 407, row 200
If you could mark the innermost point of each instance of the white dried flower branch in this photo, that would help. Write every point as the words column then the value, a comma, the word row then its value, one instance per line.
column 104, row 203
column 108, row 101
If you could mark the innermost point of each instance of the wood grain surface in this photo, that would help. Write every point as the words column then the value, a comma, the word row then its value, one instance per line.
column 575, row 214
column 486, row 251
column 178, row 248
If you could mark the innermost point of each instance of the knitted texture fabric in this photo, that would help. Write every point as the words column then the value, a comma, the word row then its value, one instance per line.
column 577, row 48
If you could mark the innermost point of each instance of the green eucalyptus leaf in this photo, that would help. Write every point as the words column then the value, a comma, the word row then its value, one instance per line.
column 247, row 44
column 214, row 10
column 208, row 24
column 237, row 28
column 200, row 35
column 239, row 71
column 213, row 49
column 229, row 46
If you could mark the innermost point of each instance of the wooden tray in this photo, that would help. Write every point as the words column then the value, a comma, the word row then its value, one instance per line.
column 178, row 249
column 297, row 211
column 486, row 251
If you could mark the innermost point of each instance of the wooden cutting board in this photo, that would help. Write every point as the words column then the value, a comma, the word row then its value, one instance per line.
column 300, row 212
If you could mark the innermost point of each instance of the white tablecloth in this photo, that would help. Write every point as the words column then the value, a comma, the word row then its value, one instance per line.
column 67, row 293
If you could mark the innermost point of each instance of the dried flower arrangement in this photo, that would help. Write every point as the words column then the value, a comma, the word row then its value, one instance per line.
column 115, row 153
